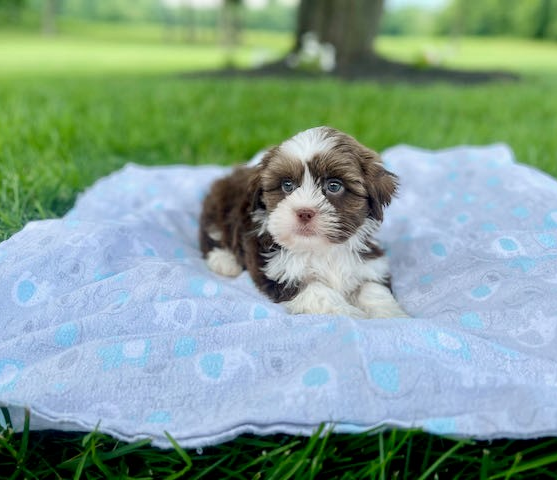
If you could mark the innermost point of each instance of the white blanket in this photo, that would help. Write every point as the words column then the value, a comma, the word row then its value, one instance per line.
column 109, row 315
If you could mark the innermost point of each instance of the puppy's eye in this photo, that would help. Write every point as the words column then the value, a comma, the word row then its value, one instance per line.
column 287, row 185
column 334, row 185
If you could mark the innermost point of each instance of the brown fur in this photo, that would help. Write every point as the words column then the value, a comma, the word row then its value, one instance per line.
column 229, row 207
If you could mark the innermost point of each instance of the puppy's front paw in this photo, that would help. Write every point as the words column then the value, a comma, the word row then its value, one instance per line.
column 223, row 262
column 378, row 302
column 317, row 298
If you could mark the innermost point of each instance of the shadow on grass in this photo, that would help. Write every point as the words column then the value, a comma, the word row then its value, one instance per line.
column 370, row 67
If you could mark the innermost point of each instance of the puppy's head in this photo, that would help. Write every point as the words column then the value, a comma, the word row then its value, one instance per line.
column 319, row 187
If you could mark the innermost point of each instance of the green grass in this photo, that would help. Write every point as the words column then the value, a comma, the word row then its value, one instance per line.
column 83, row 49
column 377, row 455
column 59, row 135
column 80, row 106
column 523, row 56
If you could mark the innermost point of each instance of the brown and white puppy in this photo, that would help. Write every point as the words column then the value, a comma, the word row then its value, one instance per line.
column 302, row 222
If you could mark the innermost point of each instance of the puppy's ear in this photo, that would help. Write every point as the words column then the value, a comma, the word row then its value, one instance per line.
column 255, row 192
column 381, row 185
column 255, row 188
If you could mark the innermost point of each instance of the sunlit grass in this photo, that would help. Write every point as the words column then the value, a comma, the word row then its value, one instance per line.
column 108, row 49
column 104, row 49
column 512, row 54
column 61, row 56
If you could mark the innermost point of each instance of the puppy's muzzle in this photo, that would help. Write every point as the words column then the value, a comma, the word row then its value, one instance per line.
column 305, row 215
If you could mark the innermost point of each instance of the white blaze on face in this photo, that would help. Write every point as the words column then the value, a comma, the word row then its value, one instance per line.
column 289, row 231
column 306, row 144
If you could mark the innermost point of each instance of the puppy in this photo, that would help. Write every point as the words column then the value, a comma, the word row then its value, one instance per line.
column 302, row 223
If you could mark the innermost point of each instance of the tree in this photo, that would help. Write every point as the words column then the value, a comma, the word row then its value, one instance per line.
column 544, row 19
column 50, row 10
column 348, row 28
column 348, row 25
column 10, row 11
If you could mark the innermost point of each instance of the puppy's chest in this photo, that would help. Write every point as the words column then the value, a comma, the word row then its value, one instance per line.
column 341, row 270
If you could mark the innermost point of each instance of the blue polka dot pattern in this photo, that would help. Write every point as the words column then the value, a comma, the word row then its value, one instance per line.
column 185, row 347
column 385, row 375
column 212, row 364
column 471, row 320
column 316, row 377
column 10, row 371
column 66, row 335
column 439, row 250
column 25, row 291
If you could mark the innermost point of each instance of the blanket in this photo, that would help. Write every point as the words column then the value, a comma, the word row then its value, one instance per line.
column 109, row 316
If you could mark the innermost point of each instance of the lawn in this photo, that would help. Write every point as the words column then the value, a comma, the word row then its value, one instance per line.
column 77, row 107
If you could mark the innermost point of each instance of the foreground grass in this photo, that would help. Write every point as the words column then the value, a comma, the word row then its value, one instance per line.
column 62, row 127
column 395, row 454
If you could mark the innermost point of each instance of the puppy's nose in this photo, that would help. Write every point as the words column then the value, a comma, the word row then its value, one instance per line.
column 306, row 214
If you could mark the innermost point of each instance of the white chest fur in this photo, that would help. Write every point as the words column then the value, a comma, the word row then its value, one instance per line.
column 339, row 266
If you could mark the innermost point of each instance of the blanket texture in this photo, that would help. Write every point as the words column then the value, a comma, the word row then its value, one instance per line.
column 109, row 316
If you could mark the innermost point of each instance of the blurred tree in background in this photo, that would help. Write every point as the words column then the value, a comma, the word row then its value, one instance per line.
column 11, row 11
column 51, row 9
column 328, row 19
column 521, row 18
column 348, row 25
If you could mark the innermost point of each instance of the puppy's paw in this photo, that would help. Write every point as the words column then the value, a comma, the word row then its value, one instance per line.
column 389, row 312
column 223, row 262
column 330, row 309
column 378, row 302
column 317, row 298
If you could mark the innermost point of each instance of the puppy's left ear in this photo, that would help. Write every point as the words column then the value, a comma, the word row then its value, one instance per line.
column 255, row 192
column 380, row 184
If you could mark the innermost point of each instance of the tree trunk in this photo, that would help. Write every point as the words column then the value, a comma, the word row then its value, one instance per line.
column 50, row 10
column 544, row 20
column 349, row 25
column 230, row 23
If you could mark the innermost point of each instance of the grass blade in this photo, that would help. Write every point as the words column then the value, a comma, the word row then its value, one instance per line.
column 24, row 444
column 317, row 461
column 302, row 457
column 485, row 465
column 381, row 457
column 7, row 417
column 526, row 466
column 441, row 459
column 183, row 455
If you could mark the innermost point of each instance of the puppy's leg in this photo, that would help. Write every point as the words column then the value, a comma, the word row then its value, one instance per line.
column 219, row 259
column 318, row 298
column 223, row 262
column 378, row 301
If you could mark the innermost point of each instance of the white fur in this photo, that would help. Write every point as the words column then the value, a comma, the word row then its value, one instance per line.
column 377, row 301
column 283, row 222
column 214, row 233
column 306, row 144
column 338, row 266
column 319, row 298
column 223, row 262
